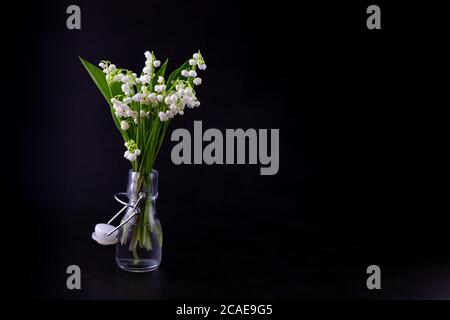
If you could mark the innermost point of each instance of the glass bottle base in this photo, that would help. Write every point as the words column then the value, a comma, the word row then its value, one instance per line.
column 142, row 265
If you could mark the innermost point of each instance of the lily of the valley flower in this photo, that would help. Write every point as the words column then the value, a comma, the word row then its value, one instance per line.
column 124, row 125
column 132, row 150
column 146, row 97
column 197, row 81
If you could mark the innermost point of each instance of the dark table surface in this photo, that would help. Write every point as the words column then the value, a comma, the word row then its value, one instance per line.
column 213, row 263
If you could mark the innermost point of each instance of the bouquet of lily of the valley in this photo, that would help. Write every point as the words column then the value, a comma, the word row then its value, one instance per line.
column 142, row 107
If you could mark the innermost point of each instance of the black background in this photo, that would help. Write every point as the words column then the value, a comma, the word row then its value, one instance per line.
column 369, row 102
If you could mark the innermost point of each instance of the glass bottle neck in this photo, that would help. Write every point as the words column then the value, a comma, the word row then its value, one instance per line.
column 146, row 183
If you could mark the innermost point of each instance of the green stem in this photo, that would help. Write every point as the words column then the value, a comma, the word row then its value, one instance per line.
column 135, row 256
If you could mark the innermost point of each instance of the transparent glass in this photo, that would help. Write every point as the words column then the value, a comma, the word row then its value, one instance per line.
column 139, row 242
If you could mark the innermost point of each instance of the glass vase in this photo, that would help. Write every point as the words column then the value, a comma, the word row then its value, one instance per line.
column 139, row 242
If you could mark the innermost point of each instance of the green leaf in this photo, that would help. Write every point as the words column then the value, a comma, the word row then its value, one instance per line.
column 176, row 73
column 160, row 72
column 116, row 89
column 99, row 79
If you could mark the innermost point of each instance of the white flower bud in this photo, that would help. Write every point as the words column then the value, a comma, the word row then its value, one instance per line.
column 187, row 101
column 137, row 152
column 202, row 66
column 157, row 63
column 148, row 55
column 160, row 88
column 125, row 88
column 160, row 79
column 159, row 97
column 185, row 73
column 192, row 62
column 196, row 56
column 124, row 125
column 112, row 67
column 197, row 81
column 162, row 116
column 192, row 74
column 118, row 78
column 102, row 65
column 138, row 97
column 147, row 70
column 144, row 79
column 127, row 100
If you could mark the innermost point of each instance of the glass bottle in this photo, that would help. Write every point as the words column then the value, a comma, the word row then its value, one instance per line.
column 139, row 242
